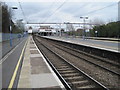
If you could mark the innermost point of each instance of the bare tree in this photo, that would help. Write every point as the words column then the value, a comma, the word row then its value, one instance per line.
column 70, row 28
column 20, row 24
column 97, row 22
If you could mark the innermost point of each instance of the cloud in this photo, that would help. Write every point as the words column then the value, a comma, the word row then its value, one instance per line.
column 62, row 0
column 70, row 11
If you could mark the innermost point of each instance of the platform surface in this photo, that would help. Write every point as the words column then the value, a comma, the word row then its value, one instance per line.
column 36, row 72
column 113, row 46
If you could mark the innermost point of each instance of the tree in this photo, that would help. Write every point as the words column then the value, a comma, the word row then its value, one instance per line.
column 30, row 27
column 20, row 25
column 111, row 29
column 97, row 22
column 70, row 29
column 6, row 17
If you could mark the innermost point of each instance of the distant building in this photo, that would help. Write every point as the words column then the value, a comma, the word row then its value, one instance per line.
column 30, row 31
column 119, row 11
column 46, row 31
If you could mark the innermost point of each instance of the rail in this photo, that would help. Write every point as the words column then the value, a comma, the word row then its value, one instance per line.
column 71, row 65
column 92, row 50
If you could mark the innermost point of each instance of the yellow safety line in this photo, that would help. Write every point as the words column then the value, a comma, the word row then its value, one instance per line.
column 16, row 69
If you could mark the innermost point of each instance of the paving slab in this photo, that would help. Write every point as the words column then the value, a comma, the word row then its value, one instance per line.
column 35, row 55
column 36, row 72
column 44, row 81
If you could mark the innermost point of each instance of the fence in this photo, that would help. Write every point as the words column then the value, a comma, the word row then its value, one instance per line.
column 6, row 36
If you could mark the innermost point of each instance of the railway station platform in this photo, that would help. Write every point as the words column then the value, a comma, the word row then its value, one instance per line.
column 108, row 45
column 35, row 71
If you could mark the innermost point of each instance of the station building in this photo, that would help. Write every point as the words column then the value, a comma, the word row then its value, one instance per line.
column 46, row 31
column 30, row 31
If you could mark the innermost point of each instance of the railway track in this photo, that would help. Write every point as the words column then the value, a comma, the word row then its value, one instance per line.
column 107, row 65
column 72, row 77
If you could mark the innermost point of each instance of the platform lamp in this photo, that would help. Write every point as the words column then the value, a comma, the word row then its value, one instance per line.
column 11, row 26
column 83, row 33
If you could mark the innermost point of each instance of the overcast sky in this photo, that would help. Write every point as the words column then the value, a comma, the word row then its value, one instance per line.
column 65, row 10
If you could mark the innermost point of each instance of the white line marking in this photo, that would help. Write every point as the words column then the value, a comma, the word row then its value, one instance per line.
column 6, row 56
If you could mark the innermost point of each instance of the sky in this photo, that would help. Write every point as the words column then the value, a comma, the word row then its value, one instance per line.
column 41, row 11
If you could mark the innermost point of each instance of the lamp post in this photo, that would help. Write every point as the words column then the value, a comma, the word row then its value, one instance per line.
column 83, row 33
column 11, row 27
